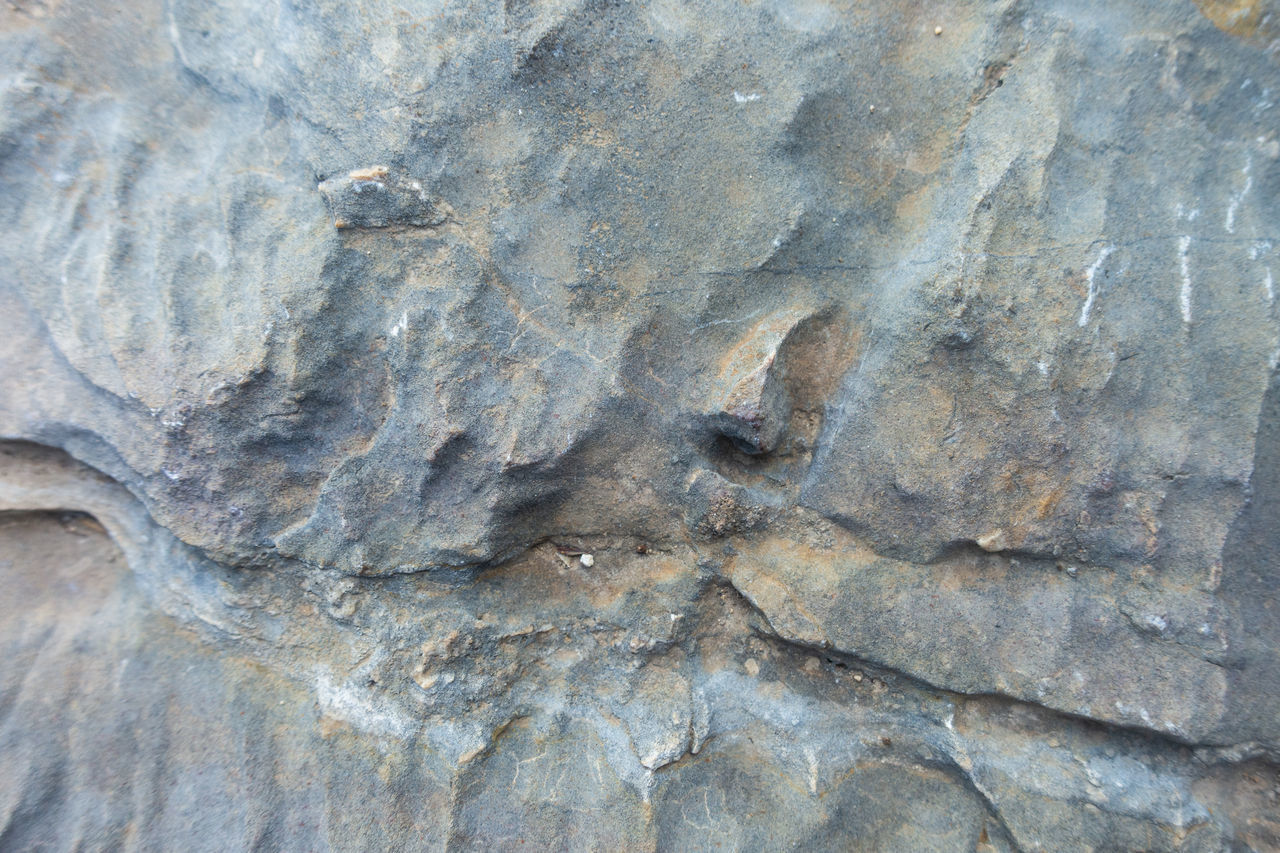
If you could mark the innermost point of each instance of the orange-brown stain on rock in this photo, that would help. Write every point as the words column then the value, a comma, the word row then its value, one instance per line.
column 1255, row 21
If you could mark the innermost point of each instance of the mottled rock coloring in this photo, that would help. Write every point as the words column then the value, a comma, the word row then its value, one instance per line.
column 608, row 425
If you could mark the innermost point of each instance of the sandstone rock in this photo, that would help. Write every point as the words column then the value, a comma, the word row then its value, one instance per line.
column 647, row 426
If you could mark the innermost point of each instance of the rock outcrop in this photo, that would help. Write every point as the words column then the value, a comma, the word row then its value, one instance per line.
column 640, row 425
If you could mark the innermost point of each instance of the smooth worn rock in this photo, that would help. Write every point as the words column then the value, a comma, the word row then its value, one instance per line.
column 640, row 425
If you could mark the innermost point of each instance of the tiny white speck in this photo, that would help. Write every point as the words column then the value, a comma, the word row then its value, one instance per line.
column 400, row 326
column 1043, row 367
column 747, row 98
column 1269, row 286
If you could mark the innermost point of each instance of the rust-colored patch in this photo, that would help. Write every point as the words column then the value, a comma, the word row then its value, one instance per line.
column 786, row 578
column 1047, row 503
column 598, row 134
column 1255, row 21
column 330, row 726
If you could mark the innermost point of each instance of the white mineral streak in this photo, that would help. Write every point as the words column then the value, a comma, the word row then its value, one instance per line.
column 1093, row 287
column 1184, row 296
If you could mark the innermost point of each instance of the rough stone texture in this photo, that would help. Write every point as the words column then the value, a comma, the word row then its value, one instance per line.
column 603, row 425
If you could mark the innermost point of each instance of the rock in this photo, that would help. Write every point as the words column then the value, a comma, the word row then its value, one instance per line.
column 372, row 198
column 754, row 406
column 905, row 388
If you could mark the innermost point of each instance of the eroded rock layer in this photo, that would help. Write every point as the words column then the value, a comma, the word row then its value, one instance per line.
column 640, row 425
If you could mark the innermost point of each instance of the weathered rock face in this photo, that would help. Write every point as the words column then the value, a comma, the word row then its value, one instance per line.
column 611, row 425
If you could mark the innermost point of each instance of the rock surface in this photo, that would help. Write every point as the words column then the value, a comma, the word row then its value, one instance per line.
column 606, row 425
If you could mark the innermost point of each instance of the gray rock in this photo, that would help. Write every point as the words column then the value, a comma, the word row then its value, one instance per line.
column 373, row 198
column 910, row 376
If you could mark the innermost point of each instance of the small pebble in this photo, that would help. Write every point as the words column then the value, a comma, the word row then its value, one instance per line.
column 752, row 667
column 937, row 31
column 587, row 560
column 872, row 108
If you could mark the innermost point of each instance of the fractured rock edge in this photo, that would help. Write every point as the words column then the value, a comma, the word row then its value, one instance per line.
column 32, row 482
column 191, row 586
